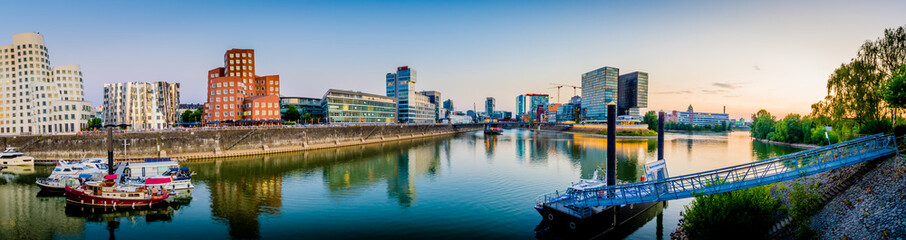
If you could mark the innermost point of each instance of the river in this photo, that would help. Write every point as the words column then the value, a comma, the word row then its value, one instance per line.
column 452, row 187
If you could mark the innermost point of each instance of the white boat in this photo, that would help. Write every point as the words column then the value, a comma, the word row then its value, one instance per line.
column 12, row 157
column 162, row 172
column 91, row 168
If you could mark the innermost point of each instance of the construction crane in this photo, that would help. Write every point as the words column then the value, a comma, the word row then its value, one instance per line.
column 558, row 86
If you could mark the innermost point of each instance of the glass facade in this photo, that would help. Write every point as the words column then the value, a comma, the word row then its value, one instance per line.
column 412, row 107
column 357, row 107
column 489, row 106
column 633, row 93
column 312, row 106
column 599, row 87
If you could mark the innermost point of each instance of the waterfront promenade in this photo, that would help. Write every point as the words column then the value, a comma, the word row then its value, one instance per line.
column 218, row 142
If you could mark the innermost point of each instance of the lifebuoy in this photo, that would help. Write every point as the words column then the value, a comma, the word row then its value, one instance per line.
column 572, row 225
column 550, row 216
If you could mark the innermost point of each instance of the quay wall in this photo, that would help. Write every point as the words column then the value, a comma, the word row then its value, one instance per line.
column 215, row 143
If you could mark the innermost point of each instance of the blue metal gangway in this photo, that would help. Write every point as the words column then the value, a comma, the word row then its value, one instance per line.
column 578, row 203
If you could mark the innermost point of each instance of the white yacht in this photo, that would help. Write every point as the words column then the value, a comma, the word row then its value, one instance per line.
column 160, row 172
column 65, row 171
column 12, row 157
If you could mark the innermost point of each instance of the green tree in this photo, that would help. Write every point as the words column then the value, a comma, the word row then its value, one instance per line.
column 852, row 93
column 650, row 118
column 306, row 117
column 95, row 123
column 186, row 116
column 894, row 91
column 292, row 114
column 197, row 115
column 762, row 124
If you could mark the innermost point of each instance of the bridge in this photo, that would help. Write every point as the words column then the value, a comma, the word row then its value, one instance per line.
column 582, row 203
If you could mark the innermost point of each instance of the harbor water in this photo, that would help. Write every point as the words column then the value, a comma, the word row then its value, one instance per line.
column 460, row 186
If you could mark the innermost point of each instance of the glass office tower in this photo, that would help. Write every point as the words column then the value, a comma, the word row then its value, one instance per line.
column 599, row 87
column 633, row 93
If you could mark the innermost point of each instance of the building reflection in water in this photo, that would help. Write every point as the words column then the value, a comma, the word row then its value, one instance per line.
column 242, row 190
column 22, row 217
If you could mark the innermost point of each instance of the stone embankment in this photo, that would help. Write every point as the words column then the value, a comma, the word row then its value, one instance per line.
column 221, row 143
column 872, row 208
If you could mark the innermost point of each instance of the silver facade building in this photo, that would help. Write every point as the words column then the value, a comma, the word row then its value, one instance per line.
column 36, row 98
column 141, row 105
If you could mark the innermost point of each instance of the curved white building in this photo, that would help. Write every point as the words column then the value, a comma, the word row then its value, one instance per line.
column 35, row 98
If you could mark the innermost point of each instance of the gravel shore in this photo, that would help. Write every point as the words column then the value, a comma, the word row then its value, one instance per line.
column 873, row 208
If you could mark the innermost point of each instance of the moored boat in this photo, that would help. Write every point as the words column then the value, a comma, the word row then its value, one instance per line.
column 492, row 129
column 69, row 173
column 108, row 194
column 12, row 157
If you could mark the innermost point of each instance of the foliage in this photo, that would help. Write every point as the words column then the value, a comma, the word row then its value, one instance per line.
column 292, row 113
column 748, row 212
column 791, row 129
column 894, row 91
column 650, row 118
column 689, row 127
column 186, row 116
column 95, row 123
column 306, row 117
column 289, row 123
column 197, row 115
column 873, row 126
column 805, row 201
column 860, row 90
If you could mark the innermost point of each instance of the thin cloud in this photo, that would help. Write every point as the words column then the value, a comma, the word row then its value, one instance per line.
column 676, row 92
column 726, row 85
column 714, row 91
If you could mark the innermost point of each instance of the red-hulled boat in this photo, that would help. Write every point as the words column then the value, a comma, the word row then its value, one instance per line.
column 106, row 194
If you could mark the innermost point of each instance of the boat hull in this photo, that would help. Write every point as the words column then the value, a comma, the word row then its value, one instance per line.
column 51, row 187
column 80, row 198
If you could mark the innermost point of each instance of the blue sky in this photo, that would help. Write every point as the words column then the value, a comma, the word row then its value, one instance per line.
column 745, row 55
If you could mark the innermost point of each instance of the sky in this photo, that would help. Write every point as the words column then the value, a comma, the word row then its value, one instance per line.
column 742, row 55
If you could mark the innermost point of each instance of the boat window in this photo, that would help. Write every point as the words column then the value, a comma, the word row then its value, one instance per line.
column 56, row 169
column 77, row 169
column 66, row 170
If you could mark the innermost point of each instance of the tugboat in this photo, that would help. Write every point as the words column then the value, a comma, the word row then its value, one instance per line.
column 70, row 172
column 492, row 130
column 107, row 194
column 12, row 157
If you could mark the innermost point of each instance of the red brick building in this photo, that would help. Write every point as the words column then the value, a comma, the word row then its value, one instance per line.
column 236, row 93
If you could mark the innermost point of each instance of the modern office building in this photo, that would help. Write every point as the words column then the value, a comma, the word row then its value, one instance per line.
column 599, row 87
column 434, row 98
column 571, row 111
column 489, row 105
column 36, row 98
column 528, row 105
column 413, row 107
column 141, row 105
column 341, row 106
column 700, row 118
column 633, row 94
column 231, row 86
column 312, row 106
column 448, row 105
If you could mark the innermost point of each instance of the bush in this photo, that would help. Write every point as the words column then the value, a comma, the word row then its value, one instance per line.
column 804, row 202
column 746, row 213
column 876, row 126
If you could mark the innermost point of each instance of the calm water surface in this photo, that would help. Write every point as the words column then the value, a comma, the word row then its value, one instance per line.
column 463, row 186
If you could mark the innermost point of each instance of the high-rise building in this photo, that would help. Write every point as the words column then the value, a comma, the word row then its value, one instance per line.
column 230, row 88
column 141, row 105
column 633, row 93
column 36, row 98
column 342, row 106
column 434, row 98
column 599, row 87
column 489, row 106
column 528, row 105
column 413, row 107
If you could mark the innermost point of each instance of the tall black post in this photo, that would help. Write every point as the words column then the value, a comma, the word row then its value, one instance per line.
column 611, row 144
column 660, row 135
column 109, row 150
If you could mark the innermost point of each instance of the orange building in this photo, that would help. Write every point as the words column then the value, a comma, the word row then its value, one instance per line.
column 236, row 93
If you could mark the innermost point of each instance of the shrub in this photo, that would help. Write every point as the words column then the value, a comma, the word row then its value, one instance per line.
column 804, row 202
column 746, row 213
column 875, row 126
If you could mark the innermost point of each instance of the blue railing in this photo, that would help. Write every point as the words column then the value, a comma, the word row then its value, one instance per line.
column 725, row 179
